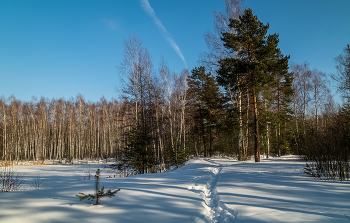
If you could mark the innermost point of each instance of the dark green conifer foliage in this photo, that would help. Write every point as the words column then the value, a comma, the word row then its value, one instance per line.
column 138, row 152
column 256, row 65
column 208, row 102
column 282, row 92
column 175, row 156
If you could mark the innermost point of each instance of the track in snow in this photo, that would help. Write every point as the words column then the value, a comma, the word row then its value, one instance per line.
column 205, row 186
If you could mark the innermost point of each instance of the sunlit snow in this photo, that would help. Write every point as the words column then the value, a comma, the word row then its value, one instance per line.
column 204, row 190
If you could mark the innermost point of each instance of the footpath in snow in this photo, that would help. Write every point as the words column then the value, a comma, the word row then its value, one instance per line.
column 204, row 190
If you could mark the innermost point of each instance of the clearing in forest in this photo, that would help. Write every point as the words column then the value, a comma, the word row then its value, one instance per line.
column 204, row 190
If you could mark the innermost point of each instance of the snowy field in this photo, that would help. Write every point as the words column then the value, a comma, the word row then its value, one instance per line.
column 204, row 190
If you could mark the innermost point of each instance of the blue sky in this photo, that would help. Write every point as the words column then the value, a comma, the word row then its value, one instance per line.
column 61, row 48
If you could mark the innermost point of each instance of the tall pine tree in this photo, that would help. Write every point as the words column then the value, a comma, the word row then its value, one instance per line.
column 257, row 63
column 208, row 102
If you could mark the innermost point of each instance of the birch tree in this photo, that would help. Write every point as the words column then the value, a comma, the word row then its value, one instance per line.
column 320, row 92
column 218, row 51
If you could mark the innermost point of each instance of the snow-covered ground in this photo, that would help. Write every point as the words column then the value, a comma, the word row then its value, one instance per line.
column 204, row 190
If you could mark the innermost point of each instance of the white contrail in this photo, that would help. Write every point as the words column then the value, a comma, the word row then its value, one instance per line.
column 147, row 7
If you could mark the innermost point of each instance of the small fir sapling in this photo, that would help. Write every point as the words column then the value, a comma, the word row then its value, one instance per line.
column 99, row 193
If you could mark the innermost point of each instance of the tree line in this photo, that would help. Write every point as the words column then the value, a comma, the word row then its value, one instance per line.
column 57, row 129
column 245, row 99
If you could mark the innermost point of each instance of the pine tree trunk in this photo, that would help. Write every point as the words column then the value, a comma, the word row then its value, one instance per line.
column 279, row 123
column 268, row 141
column 203, row 131
column 256, row 132
column 247, row 128
column 279, row 140
column 240, row 137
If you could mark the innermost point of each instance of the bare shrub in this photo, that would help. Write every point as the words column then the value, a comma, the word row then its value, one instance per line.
column 6, row 163
column 87, row 175
column 10, row 179
column 327, row 149
column 38, row 183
